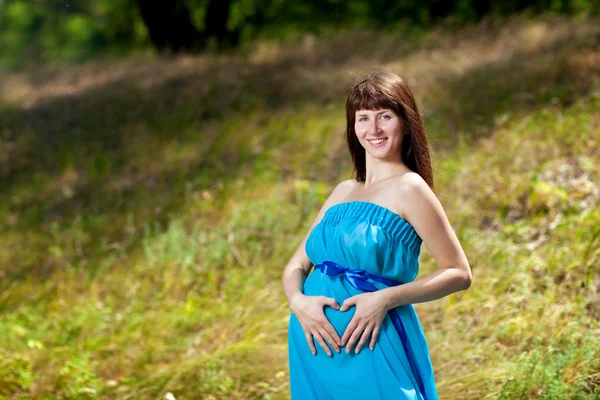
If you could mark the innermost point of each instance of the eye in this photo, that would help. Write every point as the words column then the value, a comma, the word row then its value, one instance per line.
column 361, row 119
column 386, row 116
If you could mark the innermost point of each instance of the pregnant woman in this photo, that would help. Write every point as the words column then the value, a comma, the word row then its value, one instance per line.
column 353, row 332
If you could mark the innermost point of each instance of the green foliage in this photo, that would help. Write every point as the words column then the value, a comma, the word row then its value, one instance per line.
column 75, row 380
column 16, row 375
column 21, row 24
column 44, row 32
column 56, row 32
column 84, row 38
column 549, row 370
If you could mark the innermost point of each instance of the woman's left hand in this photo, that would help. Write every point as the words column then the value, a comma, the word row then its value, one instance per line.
column 367, row 320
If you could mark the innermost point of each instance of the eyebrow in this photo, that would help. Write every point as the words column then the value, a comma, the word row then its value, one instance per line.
column 380, row 112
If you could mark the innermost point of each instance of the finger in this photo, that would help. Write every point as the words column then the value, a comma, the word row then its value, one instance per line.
column 329, row 339
column 321, row 342
column 374, row 337
column 311, row 345
column 336, row 337
column 347, row 304
column 363, row 338
column 355, row 336
column 331, row 302
column 349, row 330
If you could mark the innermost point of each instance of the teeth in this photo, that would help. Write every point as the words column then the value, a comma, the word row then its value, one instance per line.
column 377, row 141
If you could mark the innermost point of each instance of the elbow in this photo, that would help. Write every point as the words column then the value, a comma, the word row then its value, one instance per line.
column 462, row 278
column 466, row 281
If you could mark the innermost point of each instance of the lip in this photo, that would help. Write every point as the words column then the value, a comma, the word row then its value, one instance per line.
column 378, row 144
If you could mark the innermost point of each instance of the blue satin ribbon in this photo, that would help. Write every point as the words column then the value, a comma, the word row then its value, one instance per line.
column 359, row 279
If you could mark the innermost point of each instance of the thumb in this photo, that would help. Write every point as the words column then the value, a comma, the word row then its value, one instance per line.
column 346, row 304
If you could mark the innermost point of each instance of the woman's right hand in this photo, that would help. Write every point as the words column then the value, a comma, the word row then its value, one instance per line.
column 309, row 311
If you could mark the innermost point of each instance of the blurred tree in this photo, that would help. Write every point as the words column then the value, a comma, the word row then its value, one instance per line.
column 20, row 36
column 217, row 15
column 57, row 31
column 169, row 25
column 440, row 9
column 482, row 7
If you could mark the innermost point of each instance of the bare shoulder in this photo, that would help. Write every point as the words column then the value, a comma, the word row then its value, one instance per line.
column 413, row 181
column 427, row 216
column 337, row 195
column 342, row 189
column 413, row 193
column 347, row 185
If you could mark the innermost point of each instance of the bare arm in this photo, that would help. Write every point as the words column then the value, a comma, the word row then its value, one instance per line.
column 299, row 265
column 431, row 223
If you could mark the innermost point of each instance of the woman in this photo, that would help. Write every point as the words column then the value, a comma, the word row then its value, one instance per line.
column 364, row 244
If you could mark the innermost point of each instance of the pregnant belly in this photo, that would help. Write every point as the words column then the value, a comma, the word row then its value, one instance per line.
column 339, row 319
column 319, row 285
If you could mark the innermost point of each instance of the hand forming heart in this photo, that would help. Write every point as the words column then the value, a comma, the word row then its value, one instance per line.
column 367, row 320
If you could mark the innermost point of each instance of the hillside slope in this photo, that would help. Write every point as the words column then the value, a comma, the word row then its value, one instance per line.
column 150, row 206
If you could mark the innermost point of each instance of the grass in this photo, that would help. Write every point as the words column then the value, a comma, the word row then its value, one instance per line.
column 151, row 205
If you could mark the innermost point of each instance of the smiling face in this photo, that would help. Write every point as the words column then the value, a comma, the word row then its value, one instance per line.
column 380, row 132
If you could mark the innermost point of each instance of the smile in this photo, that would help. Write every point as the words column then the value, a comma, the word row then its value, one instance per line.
column 377, row 142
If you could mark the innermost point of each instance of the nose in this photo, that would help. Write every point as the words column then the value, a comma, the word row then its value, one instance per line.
column 373, row 126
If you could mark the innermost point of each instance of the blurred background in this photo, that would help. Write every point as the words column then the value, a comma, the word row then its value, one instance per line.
column 161, row 161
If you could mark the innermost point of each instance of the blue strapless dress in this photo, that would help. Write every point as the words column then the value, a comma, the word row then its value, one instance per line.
column 361, row 235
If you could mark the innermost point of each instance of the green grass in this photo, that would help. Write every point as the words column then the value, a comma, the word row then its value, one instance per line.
column 150, row 207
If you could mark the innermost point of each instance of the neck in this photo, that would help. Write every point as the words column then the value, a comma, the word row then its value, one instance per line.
column 378, row 170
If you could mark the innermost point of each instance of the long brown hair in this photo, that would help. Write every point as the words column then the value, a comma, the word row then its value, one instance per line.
column 384, row 89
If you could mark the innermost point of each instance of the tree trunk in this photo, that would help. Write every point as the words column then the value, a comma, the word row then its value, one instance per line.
column 215, row 22
column 440, row 9
column 216, row 18
column 169, row 25
column 482, row 7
